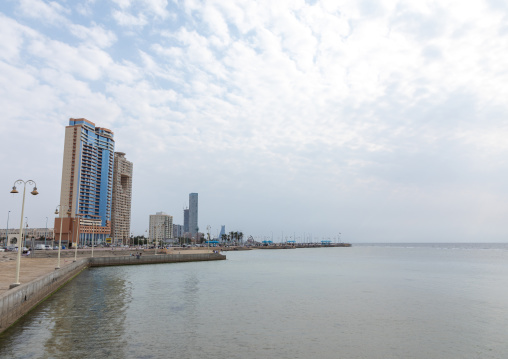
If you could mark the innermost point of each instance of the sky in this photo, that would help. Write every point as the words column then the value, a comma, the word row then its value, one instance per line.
column 381, row 121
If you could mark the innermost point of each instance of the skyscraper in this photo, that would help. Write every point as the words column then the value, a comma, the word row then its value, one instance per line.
column 193, row 214
column 87, row 178
column 186, row 220
column 121, row 201
column 222, row 232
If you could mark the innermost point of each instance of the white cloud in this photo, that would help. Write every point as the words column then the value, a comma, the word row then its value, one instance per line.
column 93, row 36
column 12, row 39
column 123, row 4
column 50, row 12
column 86, row 62
column 139, row 13
column 85, row 8
column 352, row 103
column 157, row 8
column 124, row 18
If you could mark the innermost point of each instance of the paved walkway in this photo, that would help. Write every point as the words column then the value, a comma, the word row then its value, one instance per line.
column 30, row 268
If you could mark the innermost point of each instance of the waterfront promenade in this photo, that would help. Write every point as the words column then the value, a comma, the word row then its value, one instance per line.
column 31, row 268
column 39, row 278
column 44, row 262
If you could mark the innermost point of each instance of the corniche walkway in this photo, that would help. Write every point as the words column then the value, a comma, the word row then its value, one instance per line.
column 44, row 262
column 39, row 278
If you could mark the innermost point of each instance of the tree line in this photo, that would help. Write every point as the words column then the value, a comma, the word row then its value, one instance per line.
column 232, row 237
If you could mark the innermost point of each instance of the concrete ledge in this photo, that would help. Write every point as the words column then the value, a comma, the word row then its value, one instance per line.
column 152, row 259
column 18, row 301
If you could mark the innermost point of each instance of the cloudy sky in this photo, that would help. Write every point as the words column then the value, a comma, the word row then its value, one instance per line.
column 380, row 120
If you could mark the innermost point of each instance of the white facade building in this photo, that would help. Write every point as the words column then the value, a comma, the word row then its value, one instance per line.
column 161, row 227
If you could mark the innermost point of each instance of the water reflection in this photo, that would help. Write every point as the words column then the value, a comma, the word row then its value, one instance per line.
column 364, row 302
column 77, row 321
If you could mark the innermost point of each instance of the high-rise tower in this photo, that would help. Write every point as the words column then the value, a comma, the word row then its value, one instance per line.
column 87, row 178
column 186, row 220
column 193, row 214
column 121, row 201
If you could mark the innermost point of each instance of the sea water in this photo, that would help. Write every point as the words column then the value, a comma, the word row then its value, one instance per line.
column 367, row 301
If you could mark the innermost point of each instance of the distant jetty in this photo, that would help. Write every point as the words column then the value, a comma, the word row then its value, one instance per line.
column 283, row 246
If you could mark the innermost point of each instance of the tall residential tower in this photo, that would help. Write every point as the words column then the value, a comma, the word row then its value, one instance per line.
column 121, row 202
column 87, row 179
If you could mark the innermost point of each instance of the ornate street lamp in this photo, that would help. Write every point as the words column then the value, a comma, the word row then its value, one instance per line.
column 20, row 243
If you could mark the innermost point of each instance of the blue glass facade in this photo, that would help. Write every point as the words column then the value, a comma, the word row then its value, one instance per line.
column 95, row 172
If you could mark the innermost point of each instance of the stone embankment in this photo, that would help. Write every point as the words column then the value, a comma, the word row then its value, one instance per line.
column 18, row 301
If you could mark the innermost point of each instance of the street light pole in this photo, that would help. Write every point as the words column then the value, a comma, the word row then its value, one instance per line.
column 26, row 231
column 7, row 229
column 60, row 237
column 34, row 192
column 208, row 229
column 93, row 235
column 156, row 237
column 46, row 233
column 77, row 241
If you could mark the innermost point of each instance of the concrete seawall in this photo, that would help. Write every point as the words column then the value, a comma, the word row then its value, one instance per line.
column 18, row 301
column 160, row 258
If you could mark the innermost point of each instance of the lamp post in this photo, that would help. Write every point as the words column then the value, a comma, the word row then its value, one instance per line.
column 77, row 241
column 156, row 237
column 93, row 235
column 60, row 238
column 208, row 230
column 34, row 192
column 46, row 233
column 26, row 231
column 7, row 230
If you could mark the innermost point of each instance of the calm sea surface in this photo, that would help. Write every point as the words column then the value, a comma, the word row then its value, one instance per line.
column 368, row 301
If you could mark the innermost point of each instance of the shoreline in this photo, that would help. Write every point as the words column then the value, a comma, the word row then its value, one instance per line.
column 39, row 278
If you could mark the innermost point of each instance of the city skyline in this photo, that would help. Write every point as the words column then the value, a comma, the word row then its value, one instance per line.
column 384, row 121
